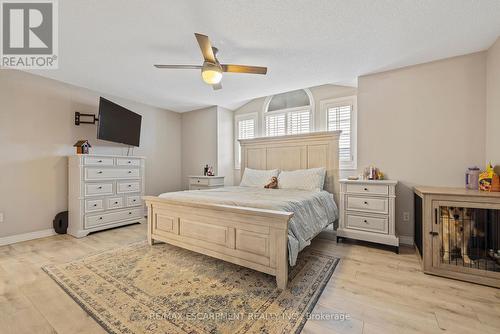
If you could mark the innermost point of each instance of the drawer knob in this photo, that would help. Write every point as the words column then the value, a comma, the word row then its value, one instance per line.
column 366, row 189
column 366, row 203
column 95, row 204
column 130, row 162
column 133, row 200
column 99, row 187
column 99, row 160
column 130, row 213
column 100, row 218
column 130, row 172
column 366, row 221
column 99, row 172
column 198, row 181
column 129, row 185
column 116, row 202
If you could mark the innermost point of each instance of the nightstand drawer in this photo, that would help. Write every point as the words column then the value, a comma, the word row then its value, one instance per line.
column 199, row 181
column 373, row 189
column 371, row 224
column 367, row 204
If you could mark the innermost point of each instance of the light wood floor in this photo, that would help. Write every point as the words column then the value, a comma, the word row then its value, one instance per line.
column 381, row 292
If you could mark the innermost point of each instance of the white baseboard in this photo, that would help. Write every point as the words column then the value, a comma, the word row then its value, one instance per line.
column 406, row 240
column 12, row 239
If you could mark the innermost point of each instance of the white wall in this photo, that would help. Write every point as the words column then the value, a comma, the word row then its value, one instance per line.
column 225, row 138
column 199, row 142
column 493, row 104
column 37, row 132
column 423, row 125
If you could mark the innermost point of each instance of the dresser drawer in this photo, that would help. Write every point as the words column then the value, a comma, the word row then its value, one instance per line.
column 128, row 162
column 93, row 205
column 134, row 200
column 374, row 189
column 109, row 173
column 98, row 189
column 107, row 218
column 115, row 203
column 128, row 187
column 370, row 224
column 368, row 204
column 96, row 161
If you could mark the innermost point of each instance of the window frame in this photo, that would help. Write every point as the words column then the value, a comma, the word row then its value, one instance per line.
column 337, row 102
column 286, row 111
column 238, row 118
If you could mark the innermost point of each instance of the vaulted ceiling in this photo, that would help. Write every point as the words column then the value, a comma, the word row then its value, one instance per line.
column 110, row 45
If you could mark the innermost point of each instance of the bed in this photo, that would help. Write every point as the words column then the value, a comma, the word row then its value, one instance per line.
column 254, row 228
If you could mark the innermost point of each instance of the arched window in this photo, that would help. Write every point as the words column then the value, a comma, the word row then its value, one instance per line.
column 289, row 113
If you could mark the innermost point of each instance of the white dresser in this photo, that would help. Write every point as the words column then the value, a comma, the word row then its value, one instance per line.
column 367, row 211
column 104, row 192
column 200, row 182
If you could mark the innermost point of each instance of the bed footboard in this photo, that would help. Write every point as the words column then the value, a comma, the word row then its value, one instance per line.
column 249, row 237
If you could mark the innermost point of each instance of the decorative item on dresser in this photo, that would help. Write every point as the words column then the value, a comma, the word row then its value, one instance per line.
column 200, row 182
column 367, row 211
column 104, row 192
column 457, row 233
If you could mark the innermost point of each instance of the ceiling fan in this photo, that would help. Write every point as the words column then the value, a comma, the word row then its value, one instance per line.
column 211, row 70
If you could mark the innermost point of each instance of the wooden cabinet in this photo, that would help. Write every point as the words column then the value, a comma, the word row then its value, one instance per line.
column 457, row 233
column 367, row 211
column 205, row 182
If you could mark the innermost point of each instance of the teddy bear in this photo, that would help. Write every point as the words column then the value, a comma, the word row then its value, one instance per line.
column 273, row 184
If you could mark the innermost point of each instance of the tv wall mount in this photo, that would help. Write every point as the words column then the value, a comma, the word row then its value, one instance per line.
column 79, row 116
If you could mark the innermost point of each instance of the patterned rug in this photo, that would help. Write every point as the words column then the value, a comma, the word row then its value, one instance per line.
column 166, row 289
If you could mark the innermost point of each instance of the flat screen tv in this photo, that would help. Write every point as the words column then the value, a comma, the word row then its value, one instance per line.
column 118, row 124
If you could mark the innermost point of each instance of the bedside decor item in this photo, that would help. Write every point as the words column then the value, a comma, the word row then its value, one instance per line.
column 372, row 173
column 210, row 171
column 82, row 147
column 367, row 211
column 489, row 180
column 273, row 184
column 472, row 178
column 205, row 170
column 200, row 182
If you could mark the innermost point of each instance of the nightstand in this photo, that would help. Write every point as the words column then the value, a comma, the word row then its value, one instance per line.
column 367, row 211
column 200, row 182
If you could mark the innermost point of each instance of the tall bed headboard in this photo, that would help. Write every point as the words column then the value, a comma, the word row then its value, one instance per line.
column 311, row 150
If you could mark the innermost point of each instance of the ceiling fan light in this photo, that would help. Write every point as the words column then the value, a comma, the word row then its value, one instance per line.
column 211, row 76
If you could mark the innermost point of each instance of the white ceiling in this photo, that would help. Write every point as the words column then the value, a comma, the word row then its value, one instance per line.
column 110, row 45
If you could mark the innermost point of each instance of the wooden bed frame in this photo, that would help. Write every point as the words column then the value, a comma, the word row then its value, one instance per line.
column 250, row 237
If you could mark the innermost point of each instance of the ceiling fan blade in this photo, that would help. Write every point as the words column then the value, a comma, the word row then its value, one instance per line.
column 244, row 69
column 217, row 86
column 188, row 67
column 206, row 48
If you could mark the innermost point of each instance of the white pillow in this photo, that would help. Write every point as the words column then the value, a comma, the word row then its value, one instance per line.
column 257, row 178
column 304, row 179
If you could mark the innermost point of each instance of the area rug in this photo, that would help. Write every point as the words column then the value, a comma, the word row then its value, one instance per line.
column 166, row 289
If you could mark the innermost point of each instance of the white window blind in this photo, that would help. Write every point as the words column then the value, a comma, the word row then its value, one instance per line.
column 339, row 118
column 299, row 122
column 275, row 125
column 245, row 129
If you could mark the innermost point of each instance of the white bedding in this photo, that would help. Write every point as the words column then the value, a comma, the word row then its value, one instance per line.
column 313, row 210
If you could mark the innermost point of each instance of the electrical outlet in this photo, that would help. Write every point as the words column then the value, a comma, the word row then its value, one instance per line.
column 406, row 216
column 1, row 217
